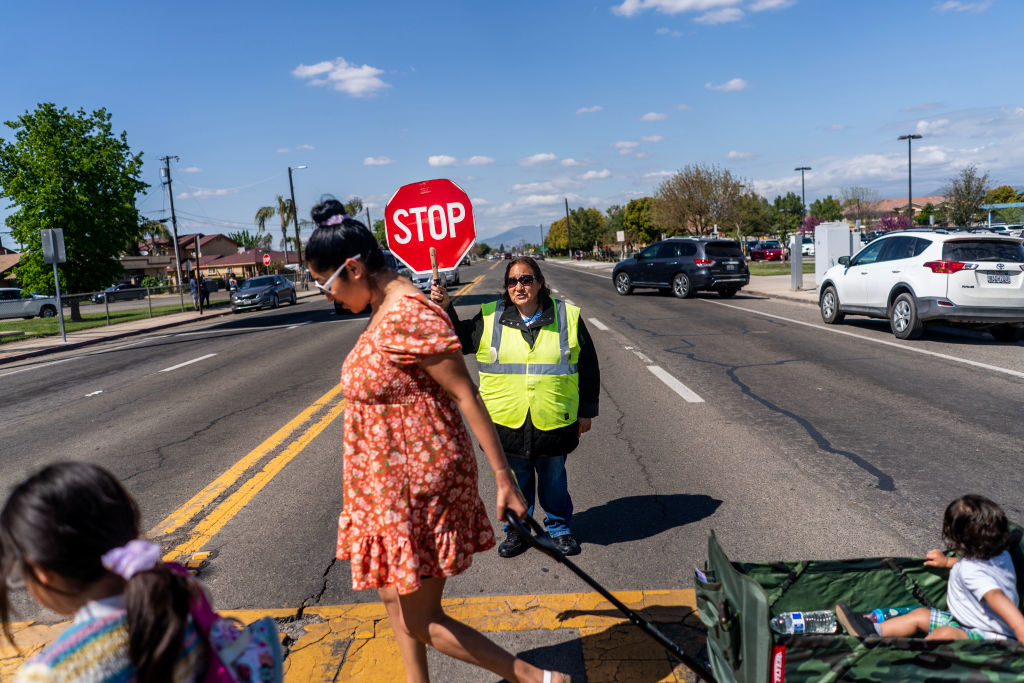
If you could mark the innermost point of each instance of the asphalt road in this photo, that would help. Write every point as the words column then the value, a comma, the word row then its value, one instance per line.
column 807, row 441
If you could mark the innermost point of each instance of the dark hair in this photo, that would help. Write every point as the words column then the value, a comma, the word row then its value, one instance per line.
column 63, row 519
column 976, row 527
column 528, row 261
column 330, row 245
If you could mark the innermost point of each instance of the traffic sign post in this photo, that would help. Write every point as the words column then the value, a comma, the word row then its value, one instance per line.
column 53, row 252
column 430, row 218
column 266, row 259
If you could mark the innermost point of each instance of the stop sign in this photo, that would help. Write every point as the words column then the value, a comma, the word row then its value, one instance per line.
column 266, row 259
column 431, row 213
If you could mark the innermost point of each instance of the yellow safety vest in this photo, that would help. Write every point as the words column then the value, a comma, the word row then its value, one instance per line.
column 544, row 380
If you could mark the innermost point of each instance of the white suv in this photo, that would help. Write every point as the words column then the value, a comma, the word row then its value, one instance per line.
column 913, row 277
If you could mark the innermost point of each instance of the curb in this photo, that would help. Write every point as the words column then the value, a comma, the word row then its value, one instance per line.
column 787, row 297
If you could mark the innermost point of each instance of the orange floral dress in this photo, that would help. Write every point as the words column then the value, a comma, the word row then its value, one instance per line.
column 411, row 506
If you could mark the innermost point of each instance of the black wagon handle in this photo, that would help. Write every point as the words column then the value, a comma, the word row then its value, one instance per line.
column 533, row 533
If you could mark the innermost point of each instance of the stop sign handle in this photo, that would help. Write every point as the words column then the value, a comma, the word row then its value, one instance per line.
column 433, row 265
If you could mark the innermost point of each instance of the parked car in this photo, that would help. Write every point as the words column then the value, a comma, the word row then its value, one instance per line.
column 683, row 266
column 769, row 250
column 264, row 290
column 807, row 247
column 119, row 292
column 450, row 278
column 16, row 303
column 914, row 277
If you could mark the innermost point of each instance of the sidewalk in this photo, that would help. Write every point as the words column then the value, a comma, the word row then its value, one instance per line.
column 38, row 346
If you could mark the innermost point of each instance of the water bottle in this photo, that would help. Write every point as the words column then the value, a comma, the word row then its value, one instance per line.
column 881, row 614
column 819, row 621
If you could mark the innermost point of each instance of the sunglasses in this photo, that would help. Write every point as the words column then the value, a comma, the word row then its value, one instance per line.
column 524, row 280
column 325, row 288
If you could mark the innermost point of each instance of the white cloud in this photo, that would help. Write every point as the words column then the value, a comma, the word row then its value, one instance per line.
column 571, row 162
column 838, row 126
column 642, row 155
column 740, row 156
column 762, row 5
column 720, row 16
column 733, row 85
column 546, row 199
column 681, row 107
column 626, row 146
column 305, row 147
column 377, row 161
column 629, row 8
column 589, row 110
column 596, row 175
column 652, row 138
column 282, row 150
column 478, row 160
column 442, row 160
column 954, row 6
column 202, row 193
column 653, row 116
column 669, row 32
column 537, row 159
column 338, row 74
column 935, row 127
column 479, row 201
column 191, row 169
column 658, row 175
column 534, row 188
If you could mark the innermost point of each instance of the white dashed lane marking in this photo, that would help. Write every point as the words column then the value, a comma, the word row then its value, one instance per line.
column 598, row 324
column 188, row 362
column 675, row 385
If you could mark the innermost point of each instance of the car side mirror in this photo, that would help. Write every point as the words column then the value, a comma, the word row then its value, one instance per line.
column 844, row 260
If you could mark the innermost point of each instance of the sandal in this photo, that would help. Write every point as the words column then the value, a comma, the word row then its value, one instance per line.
column 565, row 677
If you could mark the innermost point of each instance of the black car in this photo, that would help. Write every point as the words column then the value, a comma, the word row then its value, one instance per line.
column 265, row 290
column 683, row 266
column 119, row 292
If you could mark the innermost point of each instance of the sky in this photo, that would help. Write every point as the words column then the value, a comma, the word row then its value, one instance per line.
column 525, row 104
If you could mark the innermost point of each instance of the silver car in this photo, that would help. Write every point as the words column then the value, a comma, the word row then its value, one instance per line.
column 448, row 278
column 265, row 290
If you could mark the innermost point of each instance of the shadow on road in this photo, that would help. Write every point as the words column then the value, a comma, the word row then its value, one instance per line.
column 636, row 517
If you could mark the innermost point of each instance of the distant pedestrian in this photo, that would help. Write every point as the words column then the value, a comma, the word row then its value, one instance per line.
column 204, row 292
column 233, row 284
column 70, row 535
column 194, row 288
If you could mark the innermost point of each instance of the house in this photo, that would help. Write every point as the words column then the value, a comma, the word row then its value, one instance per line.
column 892, row 205
column 8, row 259
column 242, row 264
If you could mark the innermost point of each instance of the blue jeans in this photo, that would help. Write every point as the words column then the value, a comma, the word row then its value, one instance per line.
column 553, row 490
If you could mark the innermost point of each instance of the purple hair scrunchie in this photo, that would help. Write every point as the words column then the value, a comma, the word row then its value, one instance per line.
column 336, row 219
column 131, row 558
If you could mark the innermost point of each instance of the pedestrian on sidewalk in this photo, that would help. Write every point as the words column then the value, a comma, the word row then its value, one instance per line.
column 193, row 287
column 529, row 339
column 204, row 292
column 70, row 535
column 412, row 513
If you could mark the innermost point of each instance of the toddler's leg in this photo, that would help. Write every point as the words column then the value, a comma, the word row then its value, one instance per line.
column 909, row 624
column 947, row 633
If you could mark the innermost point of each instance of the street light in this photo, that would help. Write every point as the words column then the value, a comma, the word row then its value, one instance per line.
column 910, row 195
column 803, row 192
column 295, row 216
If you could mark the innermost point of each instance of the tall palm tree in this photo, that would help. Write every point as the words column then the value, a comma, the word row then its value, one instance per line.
column 284, row 209
column 153, row 231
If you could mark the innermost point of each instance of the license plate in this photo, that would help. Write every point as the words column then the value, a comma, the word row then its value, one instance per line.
column 999, row 278
column 730, row 266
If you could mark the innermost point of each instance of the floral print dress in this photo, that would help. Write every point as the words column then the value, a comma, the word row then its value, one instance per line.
column 411, row 506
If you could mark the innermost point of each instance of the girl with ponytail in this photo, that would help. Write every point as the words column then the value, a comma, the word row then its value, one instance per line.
column 70, row 535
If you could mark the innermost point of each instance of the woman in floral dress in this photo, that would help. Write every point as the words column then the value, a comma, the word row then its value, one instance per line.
column 412, row 515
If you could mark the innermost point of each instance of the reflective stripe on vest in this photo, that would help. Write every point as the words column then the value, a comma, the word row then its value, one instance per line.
column 543, row 380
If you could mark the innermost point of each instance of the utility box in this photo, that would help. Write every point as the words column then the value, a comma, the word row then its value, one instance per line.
column 832, row 240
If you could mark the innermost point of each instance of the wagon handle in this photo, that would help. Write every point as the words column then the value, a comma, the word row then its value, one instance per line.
column 535, row 536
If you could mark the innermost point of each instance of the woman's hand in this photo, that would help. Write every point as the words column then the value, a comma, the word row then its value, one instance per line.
column 582, row 426
column 936, row 558
column 439, row 295
column 510, row 497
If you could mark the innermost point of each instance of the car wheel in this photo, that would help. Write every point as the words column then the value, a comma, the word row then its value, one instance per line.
column 829, row 305
column 275, row 302
column 903, row 318
column 1005, row 333
column 727, row 293
column 623, row 285
column 681, row 286
column 47, row 312
column 293, row 301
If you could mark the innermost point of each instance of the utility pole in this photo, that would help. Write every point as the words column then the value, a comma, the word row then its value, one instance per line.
column 174, row 227
column 568, row 228
column 803, row 193
column 199, row 277
column 295, row 217
column 910, row 194
column 369, row 225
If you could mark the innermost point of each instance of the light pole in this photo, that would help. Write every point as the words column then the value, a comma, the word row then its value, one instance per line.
column 910, row 194
column 803, row 192
column 295, row 217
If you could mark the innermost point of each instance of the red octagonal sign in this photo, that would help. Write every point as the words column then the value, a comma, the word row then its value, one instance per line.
column 432, row 213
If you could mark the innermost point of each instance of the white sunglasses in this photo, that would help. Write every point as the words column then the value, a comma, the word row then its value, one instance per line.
column 325, row 288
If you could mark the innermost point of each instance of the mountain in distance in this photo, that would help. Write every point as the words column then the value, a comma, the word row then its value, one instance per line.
column 526, row 234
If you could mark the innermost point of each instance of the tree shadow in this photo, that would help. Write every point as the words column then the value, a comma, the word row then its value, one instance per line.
column 636, row 517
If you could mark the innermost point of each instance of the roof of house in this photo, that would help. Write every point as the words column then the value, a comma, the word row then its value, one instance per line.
column 247, row 257
column 8, row 261
column 893, row 203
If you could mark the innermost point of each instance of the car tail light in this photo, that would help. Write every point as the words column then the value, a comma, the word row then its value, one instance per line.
column 949, row 267
column 703, row 261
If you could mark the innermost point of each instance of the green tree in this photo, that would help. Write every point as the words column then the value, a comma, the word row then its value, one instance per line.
column 70, row 171
column 788, row 212
column 859, row 203
column 1004, row 194
column 638, row 220
column 753, row 215
column 379, row 231
column 927, row 211
column 283, row 210
column 250, row 240
column 827, row 209
column 154, row 231
column 696, row 198
column 613, row 222
column 965, row 193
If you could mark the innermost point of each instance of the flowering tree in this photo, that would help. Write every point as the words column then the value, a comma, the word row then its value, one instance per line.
column 809, row 223
column 893, row 221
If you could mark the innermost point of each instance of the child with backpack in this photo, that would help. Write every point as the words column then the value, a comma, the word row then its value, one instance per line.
column 982, row 592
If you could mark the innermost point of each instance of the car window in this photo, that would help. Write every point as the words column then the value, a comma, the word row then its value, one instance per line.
column 983, row 250
column 650, row 252
column 898, row 248
column 868, row 254
column 9, row 295
column 920, row 245
column 254, row 282
column 668, row 250
column 722, row 249
column 771, row 245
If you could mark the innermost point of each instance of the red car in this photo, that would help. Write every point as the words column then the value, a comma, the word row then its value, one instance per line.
column 770, row 250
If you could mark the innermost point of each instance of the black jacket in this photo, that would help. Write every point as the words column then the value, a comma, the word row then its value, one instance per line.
column 527, row 441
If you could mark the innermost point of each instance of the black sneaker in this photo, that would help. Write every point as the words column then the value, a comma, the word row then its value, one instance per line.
column 567, row 544
column 513, row 545
column 854, row 623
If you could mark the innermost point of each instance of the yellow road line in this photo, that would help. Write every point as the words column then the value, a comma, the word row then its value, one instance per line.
column 469, row 285
column 222, row 483
column 208, row 527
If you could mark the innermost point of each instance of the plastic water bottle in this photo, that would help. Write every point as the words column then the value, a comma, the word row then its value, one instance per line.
column 819, row 621
column 881, row 614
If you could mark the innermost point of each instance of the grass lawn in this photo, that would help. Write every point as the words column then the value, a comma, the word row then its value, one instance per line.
column 42, row 327
column 777, row 268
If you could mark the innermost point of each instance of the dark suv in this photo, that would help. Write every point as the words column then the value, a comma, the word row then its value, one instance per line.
column 683, row 266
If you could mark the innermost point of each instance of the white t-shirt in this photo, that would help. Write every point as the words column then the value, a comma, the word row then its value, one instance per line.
column 969, row 580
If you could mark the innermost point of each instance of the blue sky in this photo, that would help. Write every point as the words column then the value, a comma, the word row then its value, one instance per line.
column 525, row 104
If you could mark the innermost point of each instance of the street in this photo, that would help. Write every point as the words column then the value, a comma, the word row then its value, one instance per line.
column 789, row 438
